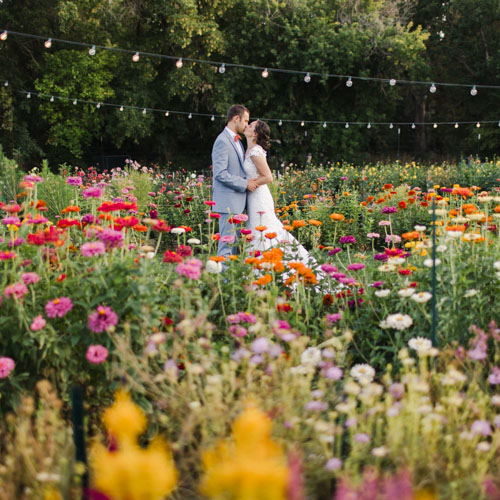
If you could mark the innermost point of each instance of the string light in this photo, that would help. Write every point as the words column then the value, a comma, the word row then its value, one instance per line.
column 324, row 124
column 75, row 102
column 212, row 118
column 391, row 126
column 302, row 124
column 265, row 73
column 369, row 125
column 52, row 99
column 392, row 82
column 307, row 78
column 166, row 113
column 136, row 57
column 478, row 124
column 28, row 95
column 3, row 36
column 473, row 91
column 347, row 125
column 456, row 125
column 6, row 84
column 179, row 63
column 121, row 108
column 222, row 69
column 92, row 51
column 48, row 43
column 432, row 89
column 190, row 116
column 144, row 111
column 98, row 105
column 349, row 82
column 413, row 126
column 435, row 125
column 281, row 123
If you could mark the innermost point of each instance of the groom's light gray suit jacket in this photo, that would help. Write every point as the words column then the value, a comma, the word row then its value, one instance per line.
column 229, row 179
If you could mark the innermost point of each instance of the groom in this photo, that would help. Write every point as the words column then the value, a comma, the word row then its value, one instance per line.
column 229, row 183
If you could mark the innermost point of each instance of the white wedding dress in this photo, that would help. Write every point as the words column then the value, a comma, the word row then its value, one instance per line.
column 260, row 210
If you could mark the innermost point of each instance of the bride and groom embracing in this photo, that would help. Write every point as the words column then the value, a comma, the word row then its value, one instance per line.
column 240, row 182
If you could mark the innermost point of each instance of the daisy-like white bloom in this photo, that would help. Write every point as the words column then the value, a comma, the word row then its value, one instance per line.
column 484, row 199
column 420, row 229
column 178, row 230
column 310, row 357
column 363, row 373
column 406, row 292
column 385, row 268
column 454, row 234
column 496, row 265
column 440, row 212
column 478, row 216
column 382, row 293
column 421, row 297
column 213, row 267
column 381, row 451
column 428, row 262
column 470, row 293
column 397, row 321
column 471, row 236
column 421, row 345
column 441, row 248
column 395, row 261
column 193, row 241
column 460, row 220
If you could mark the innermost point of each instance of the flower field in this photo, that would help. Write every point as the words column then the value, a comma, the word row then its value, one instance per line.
column 374, row 374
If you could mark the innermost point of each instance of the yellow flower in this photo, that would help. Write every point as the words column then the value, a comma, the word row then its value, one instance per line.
column 250, row 466
column 52, row 493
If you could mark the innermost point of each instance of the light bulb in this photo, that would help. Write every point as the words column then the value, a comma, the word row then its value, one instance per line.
column 391, row 126
column 413, row 125
column 166, row 113
column 190, row 116
column 349, row 82
column 6, row 84
column 92, row 51
column 179, row 64
column 3, row 36
column 222, row 69
column 121, row 108
column 98, row 105
column 281, row 123
column 136, row 57
column 324, row 124
column 499, row 124
column 392, row 82
column 52, row 98
column 473, row 91
column 301, row 124
column 435, row 125
column 265, row 73
column 456, row 125
column 307, row 78
column 75, row 102
column 28, row 95
column 212, row 118
column 478, row 124
column 347, row 125
column 432, row 89
column 369, row 125
column 144, row 111
column 48, row 43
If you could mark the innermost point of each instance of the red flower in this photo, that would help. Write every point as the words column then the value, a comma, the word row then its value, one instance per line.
column 61, row 277
column 170, row 256
column 404, row 272
column 284, row 307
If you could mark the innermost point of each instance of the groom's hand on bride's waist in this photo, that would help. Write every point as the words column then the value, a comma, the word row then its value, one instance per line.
column 252, row 185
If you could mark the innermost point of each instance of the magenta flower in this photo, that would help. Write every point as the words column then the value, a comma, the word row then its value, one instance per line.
column 59, row 307
column 355, row 266
column 17, row 242
column 17, row 290
column 335, row 251
column 191, row 269
column 228, row 238
column 333, row 318
column 96, row 354
column 347, row 239
column 11, row 219
column 38, row 323
column 389, row 210
column 238, row 331
column 6, row 366
column 373, row 235
column 30, row 278
column 33, row 178
column 246, row 317
column 74, row 181
column 102, row 319
column 111, row 238
column 93, row 248
column 92, row 192
column 329, row 268
column 333, row 464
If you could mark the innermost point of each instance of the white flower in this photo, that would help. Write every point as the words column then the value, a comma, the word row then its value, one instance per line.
column 178, row 230
column 420, row 229
column 440, row 212
column 496, row 265
column 193, row 241
column 421, row 297
column 483, row 446
column 310, row 357
column 406, row 292
column 495, row 400
column 382, row 293
column 478, row 216
column 397, row 322
column 381, row 451
column 454, row 234
column 213, row 267
column 363, row 373
column 460, row 220
column 420, row 344
column 395, row 261
column 441, row 248
column 194, row 405
column 384, row 268
column 428, row 262
column 484, row 199
column 470, row 293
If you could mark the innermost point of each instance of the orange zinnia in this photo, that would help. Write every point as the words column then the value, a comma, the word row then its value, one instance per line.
column 288, row 227
column 218, row 258
column 387, row 186
column 260, row 228
column 70, row 208
column 497, row 209
column 299, row 223
column 337, row 217
column 263, row 280
column 315, row 222
column 462, row 192
column 271, row 236
column 413, row 235
column 455, row 228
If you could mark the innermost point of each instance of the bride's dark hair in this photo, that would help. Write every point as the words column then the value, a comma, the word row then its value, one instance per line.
column 263, row 134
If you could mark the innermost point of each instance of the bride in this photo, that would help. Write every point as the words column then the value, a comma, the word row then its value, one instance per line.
column 260, row 203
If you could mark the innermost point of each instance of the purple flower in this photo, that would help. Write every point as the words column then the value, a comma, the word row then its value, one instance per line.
column 260, row 345
column 74, row 181
column 111, row 238
column 102, row 319
column 377, row 284
column 347, row 281
column 333, row 373
column 347, row 239
column 93, row 248
column 361, row 438
column 333, row 464
column 233, row 319
column 59, row 307
column 373, row 235
column 246, row 317
column 96, row 354
column 238, row 331
column 228, row 238
column 392, row 238
column 88, row 219
column 16, row 242
column 33, row 178
column 190, row 269
column 6, row 366
column 389, row 210
column 328, row 268
column 481, row 427
column 397, row 390
column 338, row 276
column 335, row 251
column 11, row 219
column 355, row 266
column 494, row 378
column 478, row 353
column 316, row 406
column 333, row 318
column 344, row 178
column 384, row 223
column 381, row 256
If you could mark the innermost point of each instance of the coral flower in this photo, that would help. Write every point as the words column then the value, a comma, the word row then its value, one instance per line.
column 102, row 319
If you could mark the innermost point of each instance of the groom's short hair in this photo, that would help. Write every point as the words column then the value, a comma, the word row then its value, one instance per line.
column 236, row 110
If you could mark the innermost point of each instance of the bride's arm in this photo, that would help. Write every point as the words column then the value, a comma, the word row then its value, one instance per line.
column 265, row 174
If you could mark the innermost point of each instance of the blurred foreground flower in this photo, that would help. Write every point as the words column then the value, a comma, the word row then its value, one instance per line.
column 250, row 466
column 130, row 472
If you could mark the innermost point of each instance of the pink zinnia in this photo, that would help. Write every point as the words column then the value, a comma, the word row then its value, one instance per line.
column 111, row 238
column 93, row 248
column 38, row 323
column 102, row 319
column 356, row 266
column 228, row 238
column 17, row 290
column 30, row 278
column 74, row 181
column 191, row 269
column 92, row 192
column 6, row 366
column 96, row 354
column 57, row 308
